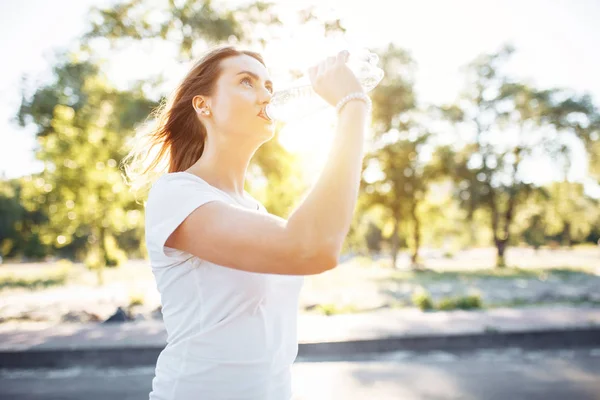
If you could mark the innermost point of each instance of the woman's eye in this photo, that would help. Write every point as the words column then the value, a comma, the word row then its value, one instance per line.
column 250, row 82
column 246, row 80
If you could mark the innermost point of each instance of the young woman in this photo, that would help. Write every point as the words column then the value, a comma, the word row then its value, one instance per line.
column 229, row 273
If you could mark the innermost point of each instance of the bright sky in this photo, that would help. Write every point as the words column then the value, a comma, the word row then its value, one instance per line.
column 556, row 46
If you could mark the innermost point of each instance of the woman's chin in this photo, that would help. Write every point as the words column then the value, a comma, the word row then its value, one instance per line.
column 270, row 133
column 267, row 133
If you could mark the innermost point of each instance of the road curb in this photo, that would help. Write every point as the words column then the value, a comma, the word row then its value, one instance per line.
column 146, row 355
column 542, row 339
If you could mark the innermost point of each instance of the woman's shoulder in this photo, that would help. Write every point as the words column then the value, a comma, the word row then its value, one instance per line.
column 172, row 183
column 172, row 178
column 174, row 192
column 176, row 183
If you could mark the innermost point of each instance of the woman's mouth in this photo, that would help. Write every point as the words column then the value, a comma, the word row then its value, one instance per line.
column 262, row 115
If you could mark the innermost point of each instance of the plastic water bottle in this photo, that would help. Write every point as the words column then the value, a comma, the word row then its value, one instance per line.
column 300, row 100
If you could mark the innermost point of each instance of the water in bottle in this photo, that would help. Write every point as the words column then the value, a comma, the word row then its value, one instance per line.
column 300, row 100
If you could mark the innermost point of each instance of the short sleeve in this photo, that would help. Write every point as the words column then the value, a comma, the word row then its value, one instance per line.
column 170, row 200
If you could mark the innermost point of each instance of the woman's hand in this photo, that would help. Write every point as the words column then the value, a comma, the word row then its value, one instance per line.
column 332, row 79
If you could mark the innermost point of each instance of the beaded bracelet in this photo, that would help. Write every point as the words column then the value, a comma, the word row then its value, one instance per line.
column 354, row 96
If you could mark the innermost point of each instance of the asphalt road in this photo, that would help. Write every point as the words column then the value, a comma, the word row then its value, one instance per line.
column 484, row 374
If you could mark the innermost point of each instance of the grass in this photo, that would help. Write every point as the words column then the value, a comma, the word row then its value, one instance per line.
column 350, row 288
column 585, row 246
column 520, row 302
column 432, row 276
column 41, row 278
column 32, row 283
column 425, row 303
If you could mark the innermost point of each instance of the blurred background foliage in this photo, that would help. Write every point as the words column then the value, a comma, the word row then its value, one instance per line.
column 425, row 182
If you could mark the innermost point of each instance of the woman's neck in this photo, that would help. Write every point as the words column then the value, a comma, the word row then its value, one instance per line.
column 225, row 172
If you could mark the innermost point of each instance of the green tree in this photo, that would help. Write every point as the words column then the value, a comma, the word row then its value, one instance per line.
column 82, row 124
column 277, row 169
column 534, row 235
column 570, row 213
column 19, row 227
column 508, row 122
column 395, row 178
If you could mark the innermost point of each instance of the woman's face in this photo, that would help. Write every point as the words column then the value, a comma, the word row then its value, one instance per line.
column 243, row 90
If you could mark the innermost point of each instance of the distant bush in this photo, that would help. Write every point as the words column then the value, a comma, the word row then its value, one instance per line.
column 448, row 254
column 136, row 299
column 333, row 309
column 422, row 299
column 468, row 302
column 446, row 304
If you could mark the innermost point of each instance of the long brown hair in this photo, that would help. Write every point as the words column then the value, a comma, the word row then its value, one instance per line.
column 176, row 139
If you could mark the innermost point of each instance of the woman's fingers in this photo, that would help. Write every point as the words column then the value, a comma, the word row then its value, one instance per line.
column 342, row 56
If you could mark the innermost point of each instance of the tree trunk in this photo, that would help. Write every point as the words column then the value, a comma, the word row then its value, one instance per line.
column 472, row 228
column 102, row 253
column 500, row 244
column 416, row 236
column 566, row 235
column 395, row 243
column 511, row 210
column 501, row 247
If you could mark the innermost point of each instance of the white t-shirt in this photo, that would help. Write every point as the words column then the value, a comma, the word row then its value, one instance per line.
column 231, row 333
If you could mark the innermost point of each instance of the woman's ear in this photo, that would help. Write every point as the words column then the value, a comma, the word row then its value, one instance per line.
column 200, row 105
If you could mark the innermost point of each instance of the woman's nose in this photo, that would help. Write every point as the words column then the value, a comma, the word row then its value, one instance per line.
column 265, row 96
